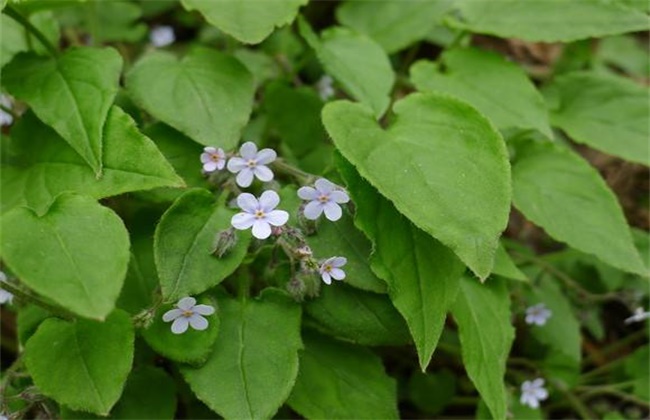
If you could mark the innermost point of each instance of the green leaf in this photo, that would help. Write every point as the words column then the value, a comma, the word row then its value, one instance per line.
column 116, row 20
column 497, row 88
column 190, row 347
column 28, row 320
column 13, row 36
column 75, row 254
column 421, row 273
column 504, row 266
column 342, row 238
column 207, row 95
column 184, row 242
column 141, row 277
column 82, row 364
column 44, row 166
column 560, row 192
column 255, row 358
column 357, row 316
column 636, row 366
column 608, row 113
column 429, row 165
column 342, row 381
column 150, row 393
column 551, row 20
column 432, row 392
column 72, row 94
column 248, row 21
column 624, row 52
column 262, row 66
column 393, row 24
column 482, row 312
column 345, row 55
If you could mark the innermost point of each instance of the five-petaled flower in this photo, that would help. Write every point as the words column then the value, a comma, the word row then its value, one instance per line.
column 331, row 269
column 260, row 214
column 187, row 312
column 251, row 163
column 538, row 314
column 161, row 36
column 325, row 197
column 638, row 316
column 213, row 159
column 532, row 392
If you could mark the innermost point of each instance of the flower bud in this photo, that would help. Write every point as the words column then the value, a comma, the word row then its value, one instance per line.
column 303, row 252
column 297, row 289
column 224, row 242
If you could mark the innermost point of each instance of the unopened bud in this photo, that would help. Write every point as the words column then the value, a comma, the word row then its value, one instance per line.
column 303, row 252
column 277, row 230
column 297, row 289
column 224, row 242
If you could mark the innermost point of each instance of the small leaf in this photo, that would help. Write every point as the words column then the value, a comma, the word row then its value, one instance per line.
column 421, row 273
column 150, row 393
column 247, row 21
column 255, row 358
column 345, row 55
column 72, row 94
column 499, row 89
column 482, row 312
column 82, row 364
column 207, row 95
column 43, row 166
column 428, row 164
column 184, row 241
column 558, row 191
column 504, row 266
column 342, row 381
column 551, row 20
column 608, row 113
column 75, row 254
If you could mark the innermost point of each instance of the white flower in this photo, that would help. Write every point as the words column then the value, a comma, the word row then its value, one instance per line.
column 331, row 269
column 5, row 117
column 5, row 297
column 213, row 159
column 252, row 163
column 325, row 197
column 324, row 86
column 259, row 214
column 638, row 316
column 161, row 36
column 538, row 314
column 187, row 312
column 532, row 392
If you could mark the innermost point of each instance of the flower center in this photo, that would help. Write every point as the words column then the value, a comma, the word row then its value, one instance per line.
column 259, row 214
column 187, row 313
column 215, row 158
column 324, row 198
column 327, row 268
column 251, row 163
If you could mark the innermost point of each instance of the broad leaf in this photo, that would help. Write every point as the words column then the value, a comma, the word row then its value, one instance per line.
column 75, row 254
column 432, row 392
column 482, row 312
column 255, row 360
column 421, row 273
column 437, row 157
column 43, row 166
column 342, row 381
column 248, row 21
column 345, row 55
column 72, row 94
column 551, row 20
column 13, row 36
column 150, row 393
column 184, row 242
column 82, row 364
column 560, row 192
column 207, row 95
column 357, row 316
column 393, row 24
column 608, row 113
column 497, row 88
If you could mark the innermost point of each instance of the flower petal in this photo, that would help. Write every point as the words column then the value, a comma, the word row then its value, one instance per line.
column 265, row 156
column 221, row 163
column 337, row 273
column 277, row 217
column 333, row 211
column 171, row 315
column 204, row 309
column 339, row 196
column 324, row 186
column 263, row 173
column 236, row 164
column 313, row 210
column 248, row 203
column 186, row 303
column 538, row 383
column 269, row 200
column 206, row 157
column 242, row 221
column 308, row 193
column 338, row 261
column 248, row 150
column 326, row 278
column 245, row 177
column 210, row 166
column 261, row 229
column 198, row 322
column 180, row 325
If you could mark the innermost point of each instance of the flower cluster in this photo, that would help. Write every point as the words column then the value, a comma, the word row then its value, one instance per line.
column 248, row 165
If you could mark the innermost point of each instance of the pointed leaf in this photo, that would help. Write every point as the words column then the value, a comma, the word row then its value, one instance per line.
column 75, row 254
column 72, row 94
column 150, row 393
column 444, row 156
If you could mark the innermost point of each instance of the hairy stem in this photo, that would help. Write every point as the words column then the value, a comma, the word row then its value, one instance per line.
column 18, row 17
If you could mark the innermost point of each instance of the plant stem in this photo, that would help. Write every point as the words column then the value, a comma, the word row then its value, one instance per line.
column 283, row 167
column 574, row 401
column 617, row 345
column 29, row 297
column 18, row 17
column 620, row 394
